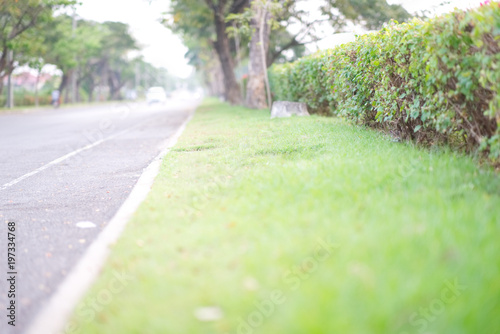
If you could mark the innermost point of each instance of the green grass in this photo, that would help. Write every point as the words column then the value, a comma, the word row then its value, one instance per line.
column 304, row 225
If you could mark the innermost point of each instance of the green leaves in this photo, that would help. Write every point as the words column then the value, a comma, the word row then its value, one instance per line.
column 19, row 32
column 426, row 81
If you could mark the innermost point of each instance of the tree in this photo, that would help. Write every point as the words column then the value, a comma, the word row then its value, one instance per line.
column 97, row 51
column 118, row 68
column 258, row 83
column 266, row 13
column 220, row 10
column 208, row 24
column 206, row 62
column 62, row 47
column 17, row 19
column 199, row 41
column 213, row 14
column 91, row 37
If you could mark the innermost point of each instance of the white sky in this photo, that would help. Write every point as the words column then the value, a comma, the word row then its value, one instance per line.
column 163, row 49
column 435, row 5
column 160, row 46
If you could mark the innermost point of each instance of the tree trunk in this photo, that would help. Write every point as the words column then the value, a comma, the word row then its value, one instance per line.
column 67, row 98
column 2, row 78
column 115, row 85
column 91, row 89
column 77, row 93
column 3, row 61
column 256, row 87
column 62, row 86
column 36, row 87
column 231, row 87
column 104, row 82
column 214, row 76
column 3, row 68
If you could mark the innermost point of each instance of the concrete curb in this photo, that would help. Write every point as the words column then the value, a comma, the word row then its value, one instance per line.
column 54, row 315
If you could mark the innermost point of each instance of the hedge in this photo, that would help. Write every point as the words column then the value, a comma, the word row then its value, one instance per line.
column 24, row 99
column 430, row 81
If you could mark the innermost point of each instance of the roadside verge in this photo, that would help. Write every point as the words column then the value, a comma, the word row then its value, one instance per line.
column 303, row 225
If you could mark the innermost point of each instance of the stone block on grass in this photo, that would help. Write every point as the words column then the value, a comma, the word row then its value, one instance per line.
column 288, row 109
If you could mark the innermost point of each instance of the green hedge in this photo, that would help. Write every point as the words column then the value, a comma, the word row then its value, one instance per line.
column 25, row 98
column 430, row 81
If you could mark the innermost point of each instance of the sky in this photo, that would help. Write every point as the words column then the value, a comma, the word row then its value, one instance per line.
column 163, row 49
column 160, row 46
column 435, row 5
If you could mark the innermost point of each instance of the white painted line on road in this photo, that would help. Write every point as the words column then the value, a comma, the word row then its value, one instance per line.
column 57, row 312
column 67, row 156
column 85, row 225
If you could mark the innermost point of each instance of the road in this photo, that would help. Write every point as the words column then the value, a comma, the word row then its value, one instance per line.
column 63, row 175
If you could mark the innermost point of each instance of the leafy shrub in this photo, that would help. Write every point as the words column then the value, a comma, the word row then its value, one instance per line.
column 429, row 81
column 24, row 99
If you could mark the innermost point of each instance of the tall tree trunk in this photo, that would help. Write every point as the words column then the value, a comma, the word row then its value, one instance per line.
column 67, row 98
column 214, row 76
column 256, row 87
column 1, row 84
column 3, row 60
column 6, row 67
column 77, row 93
column 62, row 86
column 115, row 85
column 232, row 90
column 36, row 87
column 104, row 82
column 91, row 89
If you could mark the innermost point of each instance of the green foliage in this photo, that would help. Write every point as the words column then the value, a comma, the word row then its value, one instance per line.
column 430, row 81
column 191, row 18
column 62, row 46
column 92, row 48
column 94, row 51
column 19, row 22
column 25, row 98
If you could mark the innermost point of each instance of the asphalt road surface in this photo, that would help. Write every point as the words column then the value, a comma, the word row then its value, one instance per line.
column 63, row 175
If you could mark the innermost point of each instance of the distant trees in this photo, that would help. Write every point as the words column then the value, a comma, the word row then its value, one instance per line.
column 205, row 21
column 90, row 54
column 97, row 53
column 217, row 25
column 17, row 37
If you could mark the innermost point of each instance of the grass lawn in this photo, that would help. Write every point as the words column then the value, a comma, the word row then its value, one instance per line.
column 304, row 225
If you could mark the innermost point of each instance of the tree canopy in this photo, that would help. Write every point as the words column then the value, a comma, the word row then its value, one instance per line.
column 17, row 18
column 211, row 27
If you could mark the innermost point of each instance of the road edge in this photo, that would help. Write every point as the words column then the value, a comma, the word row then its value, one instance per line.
column 55, row 314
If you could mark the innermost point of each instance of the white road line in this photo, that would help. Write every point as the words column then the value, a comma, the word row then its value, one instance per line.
column 54, row 316
column 65, row 157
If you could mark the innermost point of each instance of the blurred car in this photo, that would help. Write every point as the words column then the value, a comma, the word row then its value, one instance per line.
column 156, row 95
